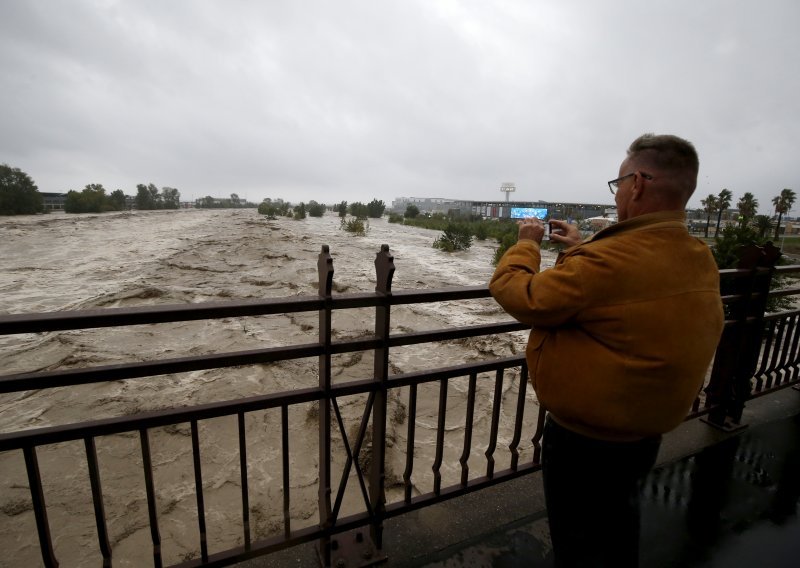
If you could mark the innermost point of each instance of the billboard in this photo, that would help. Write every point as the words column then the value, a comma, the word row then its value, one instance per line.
column 528, row 212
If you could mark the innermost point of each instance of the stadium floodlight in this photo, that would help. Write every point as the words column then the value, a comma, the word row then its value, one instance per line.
column 507, row 188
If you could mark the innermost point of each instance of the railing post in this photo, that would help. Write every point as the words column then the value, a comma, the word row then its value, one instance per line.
column 737, row 353
column 384, row 268
column 325, row 270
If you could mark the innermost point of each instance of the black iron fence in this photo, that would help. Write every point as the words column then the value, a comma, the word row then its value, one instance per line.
column 758, row 353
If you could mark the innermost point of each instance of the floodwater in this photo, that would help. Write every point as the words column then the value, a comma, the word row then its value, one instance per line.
column 72, row 262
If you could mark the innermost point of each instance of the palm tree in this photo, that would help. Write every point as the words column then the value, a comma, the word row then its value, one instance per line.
column 763, row 224
column 783, row 203
column 747, row 205
column 709, row 206
column 723, row 202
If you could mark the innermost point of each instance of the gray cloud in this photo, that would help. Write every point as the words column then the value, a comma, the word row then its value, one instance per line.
column 355, row 100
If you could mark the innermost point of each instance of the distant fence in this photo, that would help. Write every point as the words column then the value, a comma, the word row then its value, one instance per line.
column 758, row 354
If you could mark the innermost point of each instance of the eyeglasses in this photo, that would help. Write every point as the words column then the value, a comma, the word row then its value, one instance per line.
column 613, row 185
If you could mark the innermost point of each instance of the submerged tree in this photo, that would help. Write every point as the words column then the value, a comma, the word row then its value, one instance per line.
column 375, row 209
column 359, row 210
column 315, row 209
column 455, row 236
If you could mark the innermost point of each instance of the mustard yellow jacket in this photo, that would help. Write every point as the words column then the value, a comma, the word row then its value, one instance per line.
column 624, row 325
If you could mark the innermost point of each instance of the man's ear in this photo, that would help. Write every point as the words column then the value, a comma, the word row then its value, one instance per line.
column 637, row 191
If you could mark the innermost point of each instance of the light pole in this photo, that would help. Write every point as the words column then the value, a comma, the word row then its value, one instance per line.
column 783, row 235
column 507, row 188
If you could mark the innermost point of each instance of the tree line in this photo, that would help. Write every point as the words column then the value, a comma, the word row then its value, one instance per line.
column 233, row 202
column 748, row 206
column 93, row 199
column 280, row 208
column 19, row 195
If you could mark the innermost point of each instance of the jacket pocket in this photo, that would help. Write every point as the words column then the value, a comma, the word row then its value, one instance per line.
column 533, row 352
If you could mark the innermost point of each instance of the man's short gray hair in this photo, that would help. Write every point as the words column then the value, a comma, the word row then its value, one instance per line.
column 667, row 153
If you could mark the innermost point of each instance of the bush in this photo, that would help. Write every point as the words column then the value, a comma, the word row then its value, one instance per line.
column 356, row 226
column 506, row 234
column 455, row 237
column 395, row 218
column 268, row 209
column 412, row 211
column 726, row 254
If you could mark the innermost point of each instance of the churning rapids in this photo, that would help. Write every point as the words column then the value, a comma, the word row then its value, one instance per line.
column 74, row 262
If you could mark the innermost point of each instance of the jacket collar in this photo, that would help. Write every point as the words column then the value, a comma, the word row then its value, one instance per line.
column 658, row 220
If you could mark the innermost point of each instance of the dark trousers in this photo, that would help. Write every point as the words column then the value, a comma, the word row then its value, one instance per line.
column 592, row 490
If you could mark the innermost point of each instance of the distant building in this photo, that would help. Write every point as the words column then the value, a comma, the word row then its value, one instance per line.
column 432, row 205
column 53, row 201
column 498, row 209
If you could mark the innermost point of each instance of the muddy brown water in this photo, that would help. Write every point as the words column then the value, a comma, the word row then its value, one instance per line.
column 71, row 262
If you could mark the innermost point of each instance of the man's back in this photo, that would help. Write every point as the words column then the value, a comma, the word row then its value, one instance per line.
column 611, row 353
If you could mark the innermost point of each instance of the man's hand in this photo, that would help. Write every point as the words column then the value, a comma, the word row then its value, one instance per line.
column 563, row 233
column 532, row 229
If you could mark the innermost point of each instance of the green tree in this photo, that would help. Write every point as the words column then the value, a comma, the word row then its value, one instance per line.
column 235, row 201
column 723, row 202
column 747, row 205
column 144, row 198
column 359, row 210
column 783, row 203
column 18, row 194
column 170, row 198
column 117, row 200
column 268, row 209
column 710, row 207
column 726, row 246
column 456, row 236
column 412, row 211
column 341, row 209
column 315, row 209
column 507, row 234
column 206, row 202
column 726, row 251
column 300, row 211
column 155, row 196
column 375, row 209
column 92, row 199
column 762, row 224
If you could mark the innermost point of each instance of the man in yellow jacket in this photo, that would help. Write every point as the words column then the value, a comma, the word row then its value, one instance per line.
column 624, row 327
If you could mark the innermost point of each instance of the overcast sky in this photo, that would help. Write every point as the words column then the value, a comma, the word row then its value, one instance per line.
column 341, row 100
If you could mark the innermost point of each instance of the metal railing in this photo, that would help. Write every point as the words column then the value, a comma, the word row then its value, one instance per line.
column 758, row 353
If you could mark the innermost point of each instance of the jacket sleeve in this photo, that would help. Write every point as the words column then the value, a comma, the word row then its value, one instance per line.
column 541, row 298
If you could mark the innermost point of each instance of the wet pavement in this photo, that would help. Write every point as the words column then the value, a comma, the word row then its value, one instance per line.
column 731, row 504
